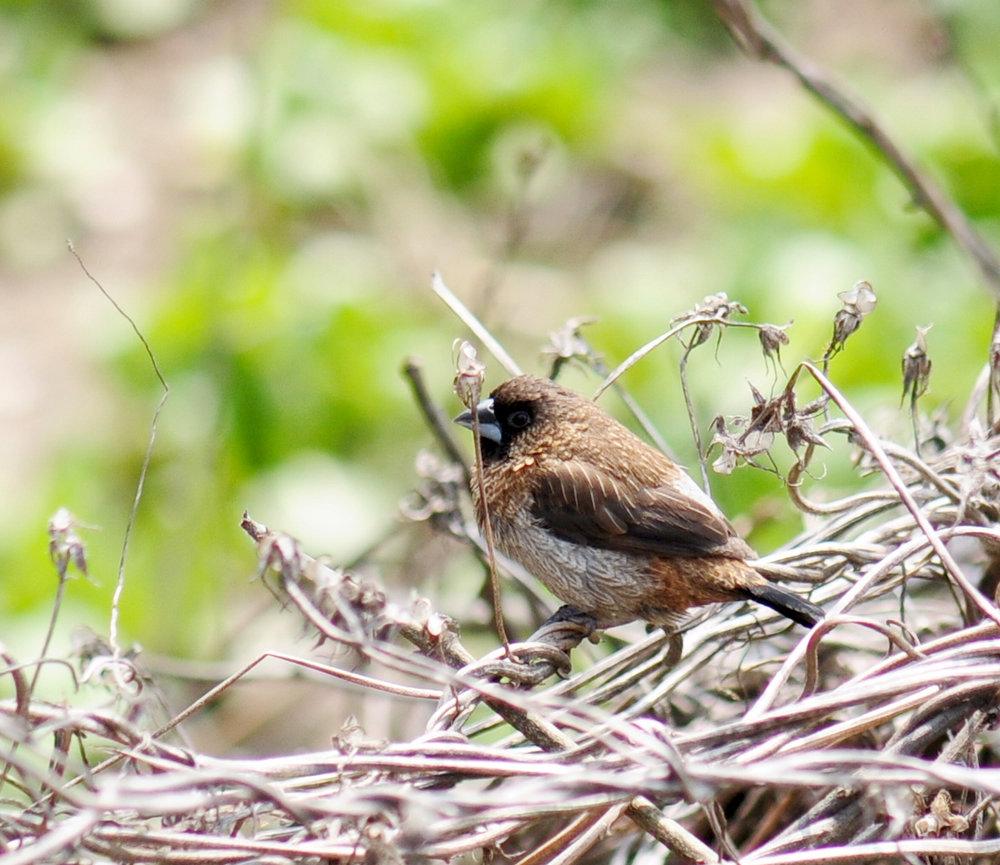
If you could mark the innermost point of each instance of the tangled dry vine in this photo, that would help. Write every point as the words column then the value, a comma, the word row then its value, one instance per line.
column 869, row 739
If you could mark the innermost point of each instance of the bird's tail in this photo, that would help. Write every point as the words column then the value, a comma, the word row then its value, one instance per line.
column 791, row 606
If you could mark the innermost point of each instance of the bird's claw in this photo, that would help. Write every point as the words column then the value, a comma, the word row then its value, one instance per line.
column 566, row 628
column 546, row 652
column 528, row 664
column 541, row 657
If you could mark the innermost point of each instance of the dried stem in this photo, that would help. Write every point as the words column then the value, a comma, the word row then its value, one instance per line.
column 759, row 39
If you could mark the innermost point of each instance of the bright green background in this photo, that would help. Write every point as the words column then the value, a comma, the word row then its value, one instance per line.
column 266, row 189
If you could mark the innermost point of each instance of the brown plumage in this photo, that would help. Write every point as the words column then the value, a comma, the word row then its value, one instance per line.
column 612, row 526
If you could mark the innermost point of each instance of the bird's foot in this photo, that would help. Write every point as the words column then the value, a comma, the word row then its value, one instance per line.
column 566, row 628
column 526, row 665
column 544, row 653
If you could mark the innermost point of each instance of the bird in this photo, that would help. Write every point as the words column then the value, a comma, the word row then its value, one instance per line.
column 614, row 528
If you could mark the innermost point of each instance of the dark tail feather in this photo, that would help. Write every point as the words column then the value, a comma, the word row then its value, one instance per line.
column 789, row 605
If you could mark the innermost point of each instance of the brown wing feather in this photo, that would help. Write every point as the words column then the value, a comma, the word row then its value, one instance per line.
column 583, row 504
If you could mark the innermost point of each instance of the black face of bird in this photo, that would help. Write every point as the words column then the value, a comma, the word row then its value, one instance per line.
column 499, row 424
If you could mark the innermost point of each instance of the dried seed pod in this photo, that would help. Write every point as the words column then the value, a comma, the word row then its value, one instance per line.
column 916, row 366
column 469, row 372
column 772, row 338
column 858, row 302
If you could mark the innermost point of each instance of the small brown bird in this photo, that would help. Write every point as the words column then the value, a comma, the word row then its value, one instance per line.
column 614, row 528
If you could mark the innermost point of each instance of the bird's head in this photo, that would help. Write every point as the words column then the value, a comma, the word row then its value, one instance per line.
column 524, row 415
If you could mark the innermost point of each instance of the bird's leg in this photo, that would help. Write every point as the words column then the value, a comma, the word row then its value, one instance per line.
column 545, row 652
column 565, row 629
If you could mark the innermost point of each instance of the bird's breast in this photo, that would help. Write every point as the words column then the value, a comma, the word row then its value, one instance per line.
column 610, row 585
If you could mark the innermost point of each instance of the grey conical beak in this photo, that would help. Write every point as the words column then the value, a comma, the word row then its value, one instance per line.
column 489, row 427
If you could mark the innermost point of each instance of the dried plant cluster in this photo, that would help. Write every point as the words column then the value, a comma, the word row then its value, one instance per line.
column 871, row 738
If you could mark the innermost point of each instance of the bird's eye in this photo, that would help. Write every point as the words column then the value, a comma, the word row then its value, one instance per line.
column 519, row 419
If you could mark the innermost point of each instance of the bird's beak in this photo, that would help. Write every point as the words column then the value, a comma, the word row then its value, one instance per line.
column 489, row 427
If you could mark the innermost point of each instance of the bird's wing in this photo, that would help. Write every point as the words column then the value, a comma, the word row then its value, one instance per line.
column 581, row 503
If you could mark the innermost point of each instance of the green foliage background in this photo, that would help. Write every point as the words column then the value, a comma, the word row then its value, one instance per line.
column 266, row 188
